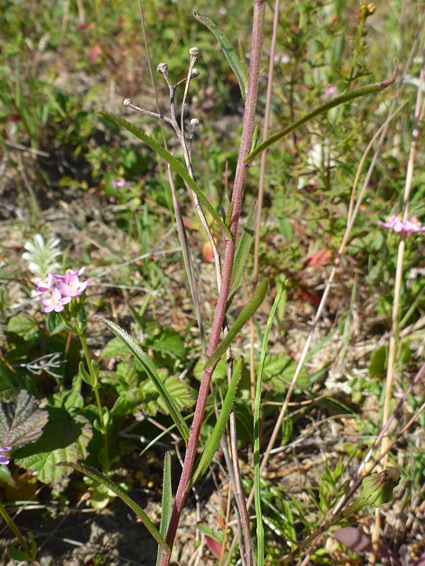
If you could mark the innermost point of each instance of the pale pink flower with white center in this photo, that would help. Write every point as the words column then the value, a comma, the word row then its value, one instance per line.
column 71, row 286
column 55, row 302
column 396, row 224
column 3, row 459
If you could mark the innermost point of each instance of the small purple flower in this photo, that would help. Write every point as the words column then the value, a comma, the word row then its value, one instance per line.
column 119, row 184
column 396, row 224
column 71, row 286
column 45, row 284
column 55, row 302
column 330, row 91
column 3, row 460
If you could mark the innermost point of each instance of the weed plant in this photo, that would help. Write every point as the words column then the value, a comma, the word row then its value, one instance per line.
column 262, row 247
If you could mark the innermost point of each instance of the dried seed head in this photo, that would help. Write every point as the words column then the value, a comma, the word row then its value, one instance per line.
column 126, row 102
column 194, row 74
column 194, row 51
column 162, row 68
column 194, row 122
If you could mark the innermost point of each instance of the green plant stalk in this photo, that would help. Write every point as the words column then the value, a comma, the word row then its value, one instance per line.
column 10, row 523
column 95, row 389
column 229, row 252
column 257, row 403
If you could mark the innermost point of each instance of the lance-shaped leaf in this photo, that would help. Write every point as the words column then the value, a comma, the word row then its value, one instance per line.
column 214, row 440
column 109, row 484
column 21, row 421
column 150, row 369
column 174, row 164
column 245, row 315
column 237, row 66
column 377, row 489
column 369, row 89
column 242, row 252
column 257, row 405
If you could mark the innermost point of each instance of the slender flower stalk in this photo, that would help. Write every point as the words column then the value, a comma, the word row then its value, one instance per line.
column 94, row 384
column 229, row 252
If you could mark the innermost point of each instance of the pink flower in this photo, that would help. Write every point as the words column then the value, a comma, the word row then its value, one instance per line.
column 56, row 302
column 330, row 91
column 3, row 460
column 396, row 224
column 70, row 272
column 119, row 184
column 45, row 284
column 71, row 286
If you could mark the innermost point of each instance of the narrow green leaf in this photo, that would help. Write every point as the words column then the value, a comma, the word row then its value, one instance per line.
column 214, row 440
column 174, row 164
column 257, row 404
column 108, row 483
column 151, row 371
column 245, row 315
column 167, row 502
column 238, row 67
column 369, row 89
column 242, row 252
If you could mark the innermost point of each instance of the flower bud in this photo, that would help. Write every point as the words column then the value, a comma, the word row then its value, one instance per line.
column 162, row 68
column 126, row 102
column 194, row 51
column 194, row 74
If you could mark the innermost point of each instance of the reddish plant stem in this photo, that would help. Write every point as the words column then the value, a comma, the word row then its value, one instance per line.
column 229, row 254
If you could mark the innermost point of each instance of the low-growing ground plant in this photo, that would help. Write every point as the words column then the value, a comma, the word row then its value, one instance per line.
column 211, row 391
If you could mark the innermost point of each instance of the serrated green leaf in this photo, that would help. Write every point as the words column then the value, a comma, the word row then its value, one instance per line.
column 64, row 438
column 152, row 373
column 115, row 348
column 183, row 395
column 279, row 371
column 232, row 58
column 174, row 164
column 21, row 421
column 168, row 341
column 24, row 326
column 220, row 370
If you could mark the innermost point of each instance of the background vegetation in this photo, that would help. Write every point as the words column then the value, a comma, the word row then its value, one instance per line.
column 69, row 173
